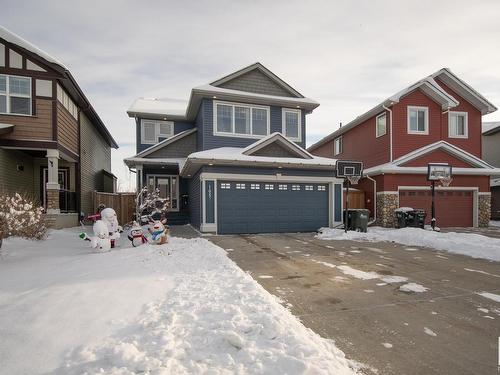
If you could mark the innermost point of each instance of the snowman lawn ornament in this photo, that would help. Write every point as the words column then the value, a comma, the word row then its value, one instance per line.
column 100, row 240
column 108, row 215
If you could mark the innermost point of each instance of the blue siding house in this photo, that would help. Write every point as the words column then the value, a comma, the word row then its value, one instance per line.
column 233, row 160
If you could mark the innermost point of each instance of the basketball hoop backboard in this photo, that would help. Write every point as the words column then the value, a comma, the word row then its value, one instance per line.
column 349, row 168
column 439, row 172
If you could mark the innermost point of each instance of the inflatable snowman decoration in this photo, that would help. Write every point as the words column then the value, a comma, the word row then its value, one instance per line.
column 136, row 235
column 100, row 240
column 108, row 216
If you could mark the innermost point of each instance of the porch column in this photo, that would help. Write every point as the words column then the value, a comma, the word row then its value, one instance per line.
column 138, row 168
column 52, row 185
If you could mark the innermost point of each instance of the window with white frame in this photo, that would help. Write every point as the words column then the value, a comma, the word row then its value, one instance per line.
column 225, row 186
column 381, row 125
column 66, row 102
column 295, row 187
column 309, row 187
column 418, row 120
column 153, row 130
column 337, row 145
column 254, row 186
column 457, row 125
column 321, row 188
column 240, row 186
column 282, row 187
column 269, row 186
column 240, row 120
column 15, row 95
column 291, row 123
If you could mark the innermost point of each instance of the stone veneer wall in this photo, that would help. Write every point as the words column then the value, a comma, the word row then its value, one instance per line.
column 386, row 204
column 484, row 209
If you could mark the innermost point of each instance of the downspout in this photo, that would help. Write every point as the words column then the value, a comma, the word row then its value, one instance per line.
column 374, row 200
column 390, row 130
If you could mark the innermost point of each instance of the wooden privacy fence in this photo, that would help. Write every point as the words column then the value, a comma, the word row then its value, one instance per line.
column 122, row 203
column 356, row 198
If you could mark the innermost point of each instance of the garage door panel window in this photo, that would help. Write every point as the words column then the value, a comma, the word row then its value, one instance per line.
column 254, row 186
column 269, row 187
column 282, row 187
column 240, row 186
column 295, row 187
column 321, row 188
column 225, row 186
column 309, row 187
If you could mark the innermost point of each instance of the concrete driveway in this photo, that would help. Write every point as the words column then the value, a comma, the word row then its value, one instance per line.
column 448, row 329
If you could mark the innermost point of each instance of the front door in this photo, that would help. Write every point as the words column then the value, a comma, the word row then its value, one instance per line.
column 168, row 187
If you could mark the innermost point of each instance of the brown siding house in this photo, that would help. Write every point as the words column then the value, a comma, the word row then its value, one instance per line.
column 53, row 145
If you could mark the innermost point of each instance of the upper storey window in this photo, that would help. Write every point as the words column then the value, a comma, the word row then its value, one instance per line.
column 381, row 125
column 152, row 131
column 15, row 95
column 291, row 124
column 457, row 125
column 240, row 120
column 418, row 120
column 337, row 146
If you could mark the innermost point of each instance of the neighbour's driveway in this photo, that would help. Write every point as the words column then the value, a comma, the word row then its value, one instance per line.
column 448, row 329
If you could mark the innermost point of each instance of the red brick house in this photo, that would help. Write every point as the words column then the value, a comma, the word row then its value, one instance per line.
column 438, row 120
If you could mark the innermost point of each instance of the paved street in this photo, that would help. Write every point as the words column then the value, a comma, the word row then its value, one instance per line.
column 448, row 329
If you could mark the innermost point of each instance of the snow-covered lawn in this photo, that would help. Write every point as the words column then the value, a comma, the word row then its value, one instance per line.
column 473, row 245
column 183, row 307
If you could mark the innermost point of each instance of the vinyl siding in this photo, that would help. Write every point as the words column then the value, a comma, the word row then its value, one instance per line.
column 67, row 129
column 179, row 149
column 491, row 153
column 12, row 180
column 95, row 156
column 256, row 82
column 195, row 200
column 207, row 139
column 37, row 127
column 179, row 126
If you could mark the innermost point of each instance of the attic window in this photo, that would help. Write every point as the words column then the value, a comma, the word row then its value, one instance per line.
column 153, row 131
column 240, row 120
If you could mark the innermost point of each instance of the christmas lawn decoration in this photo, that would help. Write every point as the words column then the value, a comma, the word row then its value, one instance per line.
column 108, row 216
column 151, row 209
column 158, row 232
column 136, row 235
column 100, row 240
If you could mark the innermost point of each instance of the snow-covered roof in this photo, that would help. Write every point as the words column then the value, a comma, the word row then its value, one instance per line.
column 176, row 111
column 490, row 127
column 430, row 87
column 156, row 106
column 166, row 142
column 134, row 161
column 13, row 38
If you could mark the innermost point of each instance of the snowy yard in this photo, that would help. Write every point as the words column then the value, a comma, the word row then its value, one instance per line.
column 473, row 245
column 178, row 308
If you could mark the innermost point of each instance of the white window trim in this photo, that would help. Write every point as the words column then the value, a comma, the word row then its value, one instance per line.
column 377, row 135
column 335, row 148
column 177, row 187
column 283, row 123
column 426, row 131
column 466, row 124
column 237, row 135
column 157, row 131
column 7, row 94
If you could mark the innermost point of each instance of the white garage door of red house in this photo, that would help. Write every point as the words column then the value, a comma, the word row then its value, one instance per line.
column 453, row 208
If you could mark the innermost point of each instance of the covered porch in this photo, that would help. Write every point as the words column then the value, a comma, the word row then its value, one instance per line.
column 48, row 176
column 163, row 174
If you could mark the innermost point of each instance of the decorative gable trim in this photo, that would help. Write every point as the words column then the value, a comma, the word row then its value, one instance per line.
column 258, row 66
column 447, row 147
column 165, row 142
column 282, row 141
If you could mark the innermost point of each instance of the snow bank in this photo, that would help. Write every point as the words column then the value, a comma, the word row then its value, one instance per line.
column 208, row 317
column 473, row 245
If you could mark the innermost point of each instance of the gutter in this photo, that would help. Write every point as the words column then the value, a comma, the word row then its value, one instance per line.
column 390, row 130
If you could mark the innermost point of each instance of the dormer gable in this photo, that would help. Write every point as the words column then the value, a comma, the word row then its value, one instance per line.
column 256, row 78
column 276, row 145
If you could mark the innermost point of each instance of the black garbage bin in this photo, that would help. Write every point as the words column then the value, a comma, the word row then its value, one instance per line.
column 357, row 219
column 416, row 218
